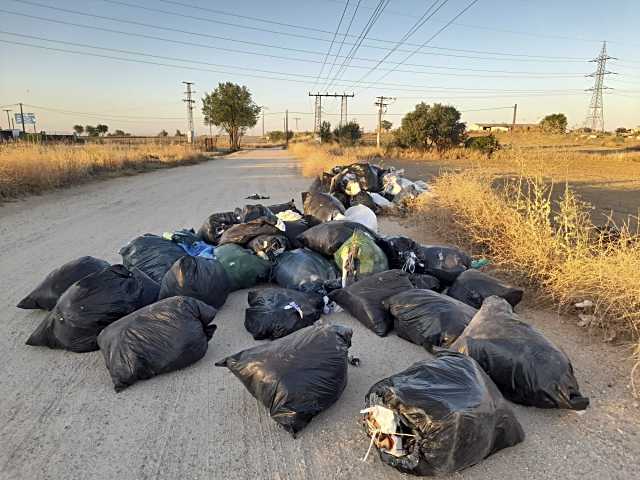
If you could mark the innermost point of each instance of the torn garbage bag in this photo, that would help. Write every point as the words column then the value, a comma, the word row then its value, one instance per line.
column 472, row 287
column 277, row 312
column 215, row 225
column 323, row 207
column 92, row 303
column 48, row 291
column 304, row 270
column 443, row 262
column 162, row 337
column 428, row 318
column 253, row 212
column 243, row 267
column 365, row 199
column 526, row 367
column 284, row 207
column 403, row 252
column 243, row 233
column 298, row 376
column 200, row 278
column 364, row 298
column 152, row 254
column 439, row 416
column 359, row 256
column 326, row 238
column 293, row 229
column 268, row 247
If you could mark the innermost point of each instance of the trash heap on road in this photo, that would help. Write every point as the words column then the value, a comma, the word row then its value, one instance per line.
column 154, row 314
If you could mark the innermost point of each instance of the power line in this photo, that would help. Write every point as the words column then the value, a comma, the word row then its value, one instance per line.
column 333, row 64
column 324, row 61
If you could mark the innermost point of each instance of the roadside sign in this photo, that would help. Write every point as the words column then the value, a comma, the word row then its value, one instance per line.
column 29, row 118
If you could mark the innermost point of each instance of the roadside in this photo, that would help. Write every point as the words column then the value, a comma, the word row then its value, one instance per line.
column 60, row 418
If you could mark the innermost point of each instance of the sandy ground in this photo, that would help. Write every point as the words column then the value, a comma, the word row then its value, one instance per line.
column 61, row 419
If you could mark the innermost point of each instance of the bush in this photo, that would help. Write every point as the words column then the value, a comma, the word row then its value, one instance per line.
column 325, row 132
column 554, row 123
column 348, row 134
column 278, row 136
column 486, row 144
column 429, row 126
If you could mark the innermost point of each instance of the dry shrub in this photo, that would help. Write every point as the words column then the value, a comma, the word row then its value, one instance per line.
column 32, row 168
column 550, row 244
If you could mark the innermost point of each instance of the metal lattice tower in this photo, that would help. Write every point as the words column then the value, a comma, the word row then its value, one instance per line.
column 595, row 116
column 318, row 108
column 343, row 111
column 189, row 101
column 317, row 115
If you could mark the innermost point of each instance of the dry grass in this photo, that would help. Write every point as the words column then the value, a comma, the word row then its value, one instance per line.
column 28, row 168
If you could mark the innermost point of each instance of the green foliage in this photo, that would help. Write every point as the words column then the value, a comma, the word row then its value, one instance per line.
column 348, row 134
column 621, row 131
column 179, row 133
column 119, row 133
column 386, row 125
column 278, row 136
column 163, row 133
column 436, row 126
column 231, row 107
column 102, row 129
column 325, row 132
column 554, row 123
column 79, row 129
column 92, row 131
column 486, row 144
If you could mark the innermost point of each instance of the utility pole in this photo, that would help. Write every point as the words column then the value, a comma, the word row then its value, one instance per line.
column 189, row 101
column 286, row 128
column 262, row 109
column 318, row 108
column 513, row 122
column 6, row 110
column 381, row 105
column 595, row 116
column 22, row 118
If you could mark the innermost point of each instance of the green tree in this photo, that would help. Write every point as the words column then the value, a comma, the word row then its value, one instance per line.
column 348, row 134
column 485, row 144
column 386, row 125
column 102, row 129
column 119, row 133
column 325, row 132
column 621, row 131
column 278, row 135
column 179, row 133
column 231, row 107
column 163, row 133
column 79, row 129
column 436, row 126
column 92, row 131
column 554, row 123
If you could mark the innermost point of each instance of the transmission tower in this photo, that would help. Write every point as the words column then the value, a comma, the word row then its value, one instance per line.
column 595, row 116
column 318, row 108
column 189, row 101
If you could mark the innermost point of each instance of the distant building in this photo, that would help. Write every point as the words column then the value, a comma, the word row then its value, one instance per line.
column 500, row 127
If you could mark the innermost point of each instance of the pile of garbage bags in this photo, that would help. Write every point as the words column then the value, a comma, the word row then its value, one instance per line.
column 154, row 314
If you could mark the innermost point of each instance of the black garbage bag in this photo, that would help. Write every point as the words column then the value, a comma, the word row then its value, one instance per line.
column 472, row 287
column 428, row 318
column 343, row 198
column 304, row 270
column 242, row 233
column 295, row 228
column 277, row 312
column 326, row 238
column 254, row 212
column 439, row 416
column 322, row 206
column 200, row 278
column 402, row 252
column 162, row 337
column 215, row 225
column 298, row 376
column 269, row 246
column 152, row 254
column 443, row 262
column 283, row 207
column 425, row 282
column 364, row 198
column 48, row 291
column 186, row 236
column 92, row 303
column 322, row 183
column 526, row 367
column 367, row 175
column 364, row 298
column 345, row 183
column 244, row 268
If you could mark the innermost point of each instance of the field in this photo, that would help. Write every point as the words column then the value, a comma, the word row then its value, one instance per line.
column 30, row 168
column 562, row 220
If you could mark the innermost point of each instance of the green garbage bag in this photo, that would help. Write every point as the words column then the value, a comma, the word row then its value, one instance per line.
column 359, row 256
column 243, row 267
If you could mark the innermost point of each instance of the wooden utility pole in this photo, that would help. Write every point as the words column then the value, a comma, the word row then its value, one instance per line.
column 286, row 128
column 380, row 103
column 513, row 122
column 24, row 130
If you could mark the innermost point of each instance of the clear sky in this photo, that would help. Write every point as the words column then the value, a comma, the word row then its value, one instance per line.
column 531, row 52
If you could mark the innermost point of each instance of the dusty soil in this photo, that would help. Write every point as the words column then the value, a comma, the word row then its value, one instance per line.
column 61, row 419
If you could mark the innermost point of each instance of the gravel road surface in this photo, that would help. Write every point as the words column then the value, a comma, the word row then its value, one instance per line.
column 61, row 419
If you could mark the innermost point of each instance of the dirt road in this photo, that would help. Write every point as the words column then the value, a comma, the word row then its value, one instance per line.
column 60, row 418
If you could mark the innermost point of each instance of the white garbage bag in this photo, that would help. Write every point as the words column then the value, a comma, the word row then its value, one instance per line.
column 363, row 215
